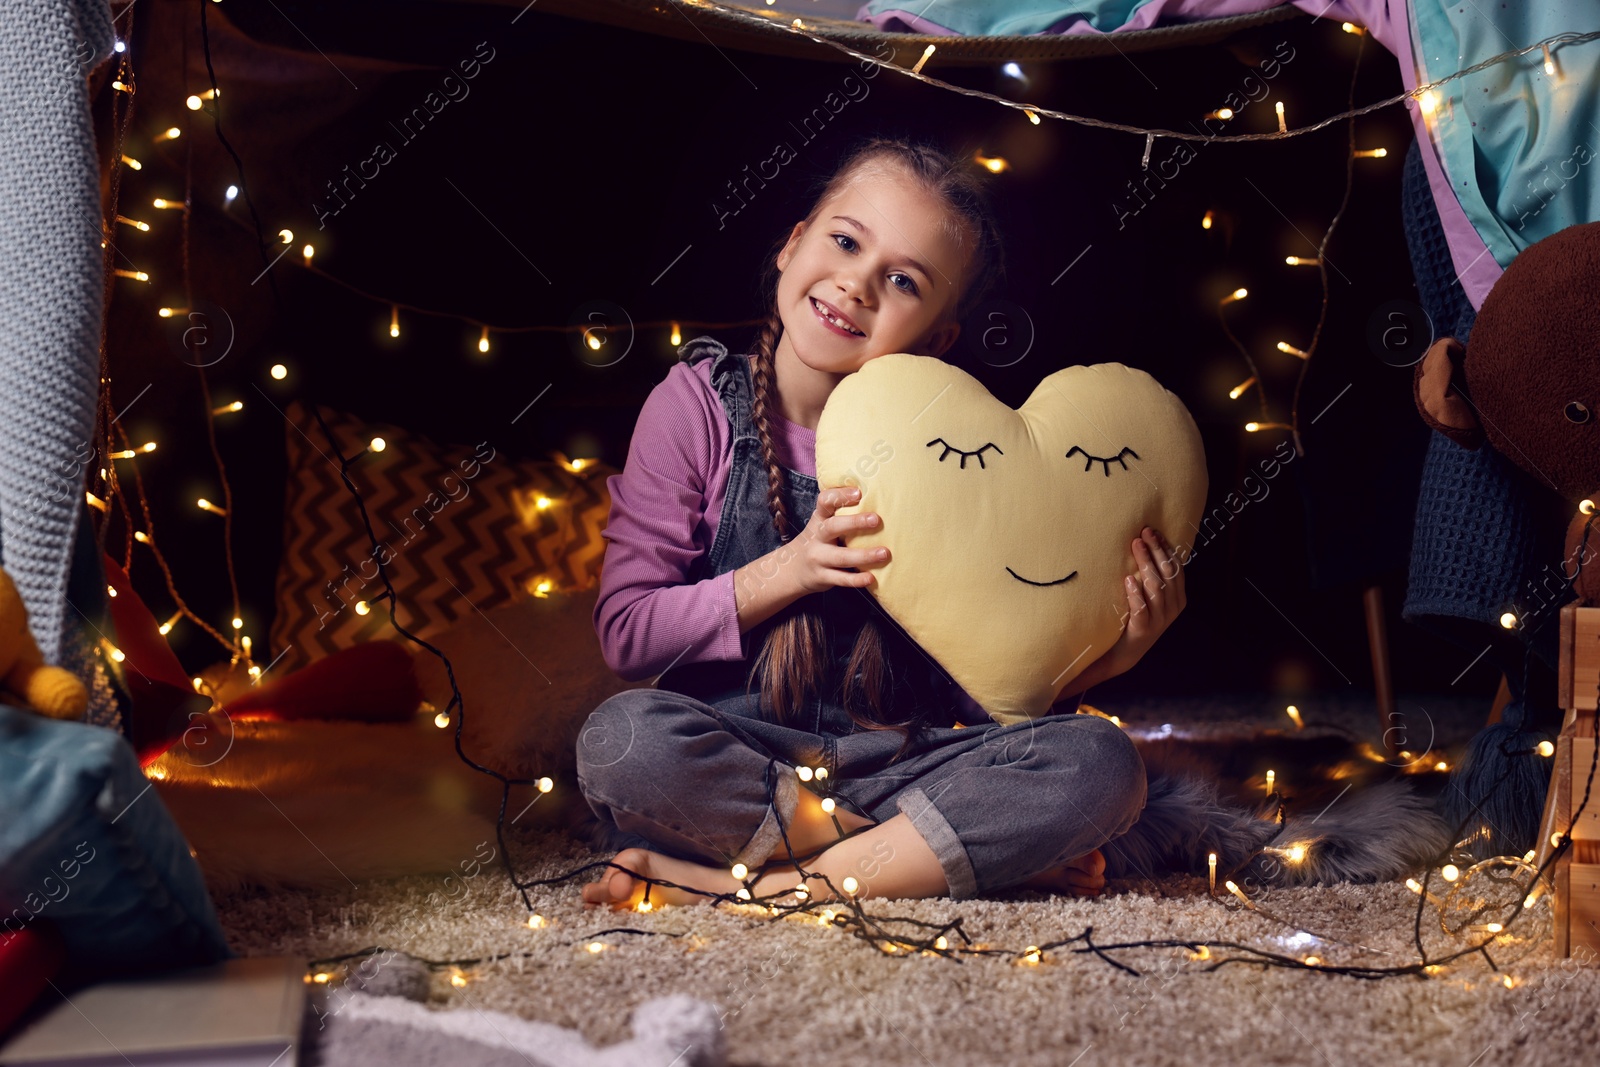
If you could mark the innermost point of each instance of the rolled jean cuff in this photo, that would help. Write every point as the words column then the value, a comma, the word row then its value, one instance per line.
column 960, row 879
column 768, row 836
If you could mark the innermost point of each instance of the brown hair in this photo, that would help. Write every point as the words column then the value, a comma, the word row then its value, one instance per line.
column 796, row 654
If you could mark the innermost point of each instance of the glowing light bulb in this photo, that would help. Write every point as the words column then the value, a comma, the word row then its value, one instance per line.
column 1302, row 261
column 1429, row 102
column 545, row 785
column 135, row 223
column 739, row 871
column 1371, row 153
column 1586, row 507
column 483, row 340
column 596, row 947
column 993, row 164
column 377, row 444
column 1449, row 872
column 362, row 607
column 1546, row 749
column 226, row 409
column 1237, row 294
column 171, row 133
column 279, row 371
column 1207, row 219
column 1223, row 113
column 536, row 922
column 287, row 236
column 441, row 720
column 1283, row 126
column 916, row 68
column 1509, row 620
column 828, row 804
column 205, row 505
column 166, row 627
column 458, row 980
column 1350, row 27
column 1033, row 116
column 1549, row 62
column 1032, row 955
column 238, row 623
column 308, row 251
column 1285, row 346
column 133, row 164
column 803, row 773
column 1271, row 777
column 231, row 192
column 394, row 321
column 1237, row 391
column 850, row 885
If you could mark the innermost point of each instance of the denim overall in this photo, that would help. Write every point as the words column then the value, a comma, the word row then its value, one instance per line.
column 694, row 767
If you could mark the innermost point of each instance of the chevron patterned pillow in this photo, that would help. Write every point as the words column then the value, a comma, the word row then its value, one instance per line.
column 460, row 530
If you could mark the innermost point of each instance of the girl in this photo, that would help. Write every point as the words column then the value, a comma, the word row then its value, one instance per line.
column 727, row 762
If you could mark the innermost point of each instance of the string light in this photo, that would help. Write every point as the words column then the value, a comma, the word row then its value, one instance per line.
column 286, row 236
column 1549, row 61
column 136, row 275
column 536, row 922
column 394, row 321
column 676, row 338
column 377, row 444
column 994, row 164
column 1586, row 507
column 308, row 251
column 1237, row 892
column 1350, row 27
column 1033, row 116
column 1449, row 872
column 1285, row 346
column 167, row 205
column 226, row 409
column 1271, row 777
column 441, row 720
column 1206, row 219
column 1222, row 113
column 1508, row 620
column 121, row 86
column 1211, row 864
column 171, row 133
column 205, row 505
column 1283, row 127
column 139, row 535
column 238, row 623
column 916, row 68
column 195, row 102
column 1302, row 261
column 279, row 371
column 1237, row 294
column 1294, row 714
column 166, row 627
column 363, row 608
column 230, row 194
column 129, row 453
column 111, row 590
column 95, row 502
column 133, row 164
column 135, row 223
column 1546, row 749
column 483, row 341
column 1257, row 427
column 1429, row 102
column 1371, row 153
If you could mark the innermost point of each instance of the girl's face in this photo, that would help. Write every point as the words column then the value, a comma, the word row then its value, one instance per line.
column 875, row 273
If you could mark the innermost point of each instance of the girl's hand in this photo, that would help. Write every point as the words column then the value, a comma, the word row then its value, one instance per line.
column 816, row 561
column 1155, row 597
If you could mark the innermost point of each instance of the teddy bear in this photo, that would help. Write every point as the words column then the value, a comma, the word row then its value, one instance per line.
column 24, row 676
column 1526, row 386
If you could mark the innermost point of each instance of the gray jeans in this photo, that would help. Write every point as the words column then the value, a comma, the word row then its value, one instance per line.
column 996, row 804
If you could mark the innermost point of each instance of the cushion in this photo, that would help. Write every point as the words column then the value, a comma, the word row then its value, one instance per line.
column 460, row 528
column 89, row 846
column 1009, row 531
column 530, row 672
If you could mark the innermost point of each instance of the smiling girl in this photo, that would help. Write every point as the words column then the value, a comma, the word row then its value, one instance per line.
column 792, row 720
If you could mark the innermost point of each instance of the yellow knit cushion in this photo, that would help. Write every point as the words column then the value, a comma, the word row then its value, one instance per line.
column 1009, row 531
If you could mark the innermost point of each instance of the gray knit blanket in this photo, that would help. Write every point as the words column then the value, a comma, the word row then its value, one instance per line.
column 51, row 293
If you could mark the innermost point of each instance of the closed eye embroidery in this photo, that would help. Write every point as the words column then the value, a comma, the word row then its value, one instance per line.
column 1092, row 460
column 949, row 448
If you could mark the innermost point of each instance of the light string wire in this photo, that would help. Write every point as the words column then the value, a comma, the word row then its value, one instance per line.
column 1570, row 37
column 864, row 926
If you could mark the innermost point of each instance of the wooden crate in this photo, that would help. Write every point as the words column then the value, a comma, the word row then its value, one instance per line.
column 1575, row 878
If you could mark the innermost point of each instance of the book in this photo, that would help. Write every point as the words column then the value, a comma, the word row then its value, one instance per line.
column 238, row 1013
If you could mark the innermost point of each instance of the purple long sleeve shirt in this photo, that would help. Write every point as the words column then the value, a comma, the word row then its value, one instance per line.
column 665, row 507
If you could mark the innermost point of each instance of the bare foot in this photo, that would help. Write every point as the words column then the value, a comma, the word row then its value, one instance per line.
column 621, row 891
column 1082, row 877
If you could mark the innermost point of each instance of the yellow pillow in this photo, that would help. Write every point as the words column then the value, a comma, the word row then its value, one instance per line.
column 1009, row 531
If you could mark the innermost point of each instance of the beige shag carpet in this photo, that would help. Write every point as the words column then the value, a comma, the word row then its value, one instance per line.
column 790, row 990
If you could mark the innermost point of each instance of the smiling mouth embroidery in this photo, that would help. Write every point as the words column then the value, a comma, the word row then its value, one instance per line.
column 1058, row 581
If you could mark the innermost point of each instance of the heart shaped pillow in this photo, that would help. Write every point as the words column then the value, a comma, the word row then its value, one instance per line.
column 1009, row 530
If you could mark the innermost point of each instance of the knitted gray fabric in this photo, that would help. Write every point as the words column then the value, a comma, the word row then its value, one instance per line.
column 51, row 292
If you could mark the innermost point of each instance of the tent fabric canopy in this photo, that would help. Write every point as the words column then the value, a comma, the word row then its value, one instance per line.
column 693, row 22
